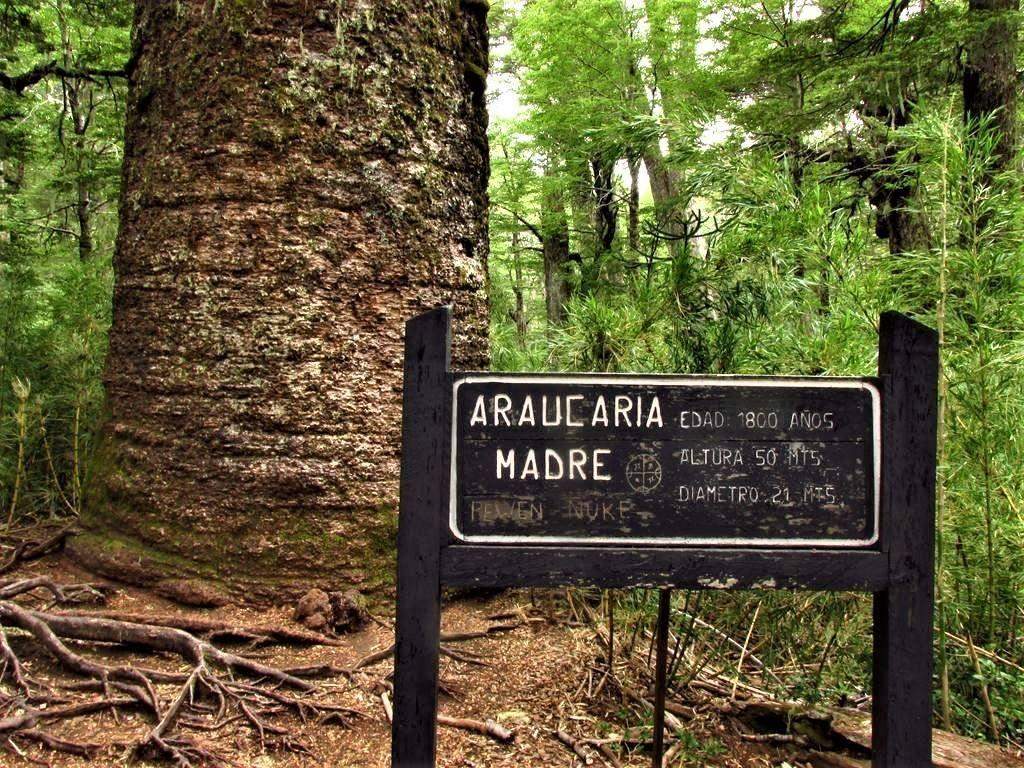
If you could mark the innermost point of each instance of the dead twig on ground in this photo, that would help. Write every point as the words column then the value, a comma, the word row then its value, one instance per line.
column 489, row 728
column 574, row 745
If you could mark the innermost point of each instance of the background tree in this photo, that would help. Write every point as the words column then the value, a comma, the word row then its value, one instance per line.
column 61, row 119
column 991, row 79
column 821, row 171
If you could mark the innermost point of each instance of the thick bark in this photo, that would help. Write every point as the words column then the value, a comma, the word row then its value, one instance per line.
column 990, row 73
column 300, row 178
column 555, row 244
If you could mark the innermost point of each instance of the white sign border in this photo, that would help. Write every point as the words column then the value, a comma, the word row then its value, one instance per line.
column 805, row 382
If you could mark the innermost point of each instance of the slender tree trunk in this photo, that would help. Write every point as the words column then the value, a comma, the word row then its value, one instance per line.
column 81, row 106
column 990, row 76
column 898, row 218
column 633, row 223
column 300, row 178
column 606, row 210
column 83, row 212
column 583, row 215
column 665, row 192
column 519, row 311
column 555, row 244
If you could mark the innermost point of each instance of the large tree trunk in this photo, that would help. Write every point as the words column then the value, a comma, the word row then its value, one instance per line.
column 300, row 178
column 990, row 74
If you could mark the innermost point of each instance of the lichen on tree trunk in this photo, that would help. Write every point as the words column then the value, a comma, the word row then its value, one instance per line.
column 300, row 178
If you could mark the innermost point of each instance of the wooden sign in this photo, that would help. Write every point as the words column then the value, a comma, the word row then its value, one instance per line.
column 665, row 461
column 672, row 482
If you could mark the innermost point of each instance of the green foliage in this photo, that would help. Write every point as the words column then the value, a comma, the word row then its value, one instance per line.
column 797, row 136
column 60, row 157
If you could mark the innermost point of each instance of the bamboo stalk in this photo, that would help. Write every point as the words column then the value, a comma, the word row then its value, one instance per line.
column 743, row 651
column 21, row 391
column 993, row 724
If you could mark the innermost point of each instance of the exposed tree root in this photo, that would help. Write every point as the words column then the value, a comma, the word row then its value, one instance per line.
column 33, row 549
column 78, row 748
column 219, row 631
column 217, row 690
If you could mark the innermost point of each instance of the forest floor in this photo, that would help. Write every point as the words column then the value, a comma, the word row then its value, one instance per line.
column 543, row 676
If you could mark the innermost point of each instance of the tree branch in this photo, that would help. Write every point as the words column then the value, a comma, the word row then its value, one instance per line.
column 19, row 83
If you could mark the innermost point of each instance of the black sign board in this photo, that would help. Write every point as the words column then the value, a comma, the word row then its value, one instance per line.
column 672, row 481
column 665, row 461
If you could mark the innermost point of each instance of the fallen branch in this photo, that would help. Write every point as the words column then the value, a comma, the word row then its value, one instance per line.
column 776, row 738
column 573, row 744
column 670, row 755
column 606, row 751
column 488, row 728
column 671, row 720
column 494, row 629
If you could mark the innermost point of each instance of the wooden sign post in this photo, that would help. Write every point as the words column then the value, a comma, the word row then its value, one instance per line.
column 725, row 482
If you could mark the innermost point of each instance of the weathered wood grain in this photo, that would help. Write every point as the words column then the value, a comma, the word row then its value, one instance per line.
column 948, row 749
column 908, row 365
column 500, row 566
column 423, row 492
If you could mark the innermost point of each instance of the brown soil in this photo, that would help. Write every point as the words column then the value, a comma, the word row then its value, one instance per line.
column 536, row 681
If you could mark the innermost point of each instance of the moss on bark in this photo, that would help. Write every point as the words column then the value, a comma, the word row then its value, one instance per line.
column 295, row 188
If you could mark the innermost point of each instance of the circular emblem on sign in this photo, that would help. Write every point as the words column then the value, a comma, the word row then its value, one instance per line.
column 643, row 472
